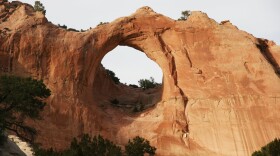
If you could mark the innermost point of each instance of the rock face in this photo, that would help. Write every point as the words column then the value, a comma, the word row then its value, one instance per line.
column 220, row 93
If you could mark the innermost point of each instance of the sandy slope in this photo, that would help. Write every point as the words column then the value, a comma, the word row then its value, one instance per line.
column 15, row 147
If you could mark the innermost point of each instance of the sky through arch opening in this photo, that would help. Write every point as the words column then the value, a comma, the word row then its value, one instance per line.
column 131, row 65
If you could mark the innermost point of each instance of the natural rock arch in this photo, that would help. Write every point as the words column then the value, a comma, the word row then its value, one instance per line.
column 216, row 80
column 126, row 32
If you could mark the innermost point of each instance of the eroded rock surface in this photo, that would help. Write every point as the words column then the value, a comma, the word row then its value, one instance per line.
column 220, row 93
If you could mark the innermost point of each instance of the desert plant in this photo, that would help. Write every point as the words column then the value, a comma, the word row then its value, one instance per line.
column 72, row 29
column 271, row 149
column 133, row 86
column 38, row 6
column 62, row 26
column 185, row 15
column 102, row 23
column 48, row 152
column 148, row 83
column 21, row 98
column 138, row 147
column 98, row 146
column 87, row 146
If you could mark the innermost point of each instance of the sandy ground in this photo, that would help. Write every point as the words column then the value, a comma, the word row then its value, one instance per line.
column 15, row 146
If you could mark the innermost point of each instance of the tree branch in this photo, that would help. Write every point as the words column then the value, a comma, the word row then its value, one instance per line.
column 19, row 127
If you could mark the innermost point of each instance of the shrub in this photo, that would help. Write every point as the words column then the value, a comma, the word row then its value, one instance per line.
column 49, row 152
column 72, row 29
column 271, row 149
column 102, row 23
column 138, row 147
column 147, row 83
column 185, row 15
column 133, row 86
column 96, row 146
column 113, row 76
column 62, row 26
column 38, row 6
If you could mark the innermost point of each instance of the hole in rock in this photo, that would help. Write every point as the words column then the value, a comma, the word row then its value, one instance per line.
column 131, row 67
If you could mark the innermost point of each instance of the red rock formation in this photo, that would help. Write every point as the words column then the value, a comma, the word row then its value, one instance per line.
column 221, row 86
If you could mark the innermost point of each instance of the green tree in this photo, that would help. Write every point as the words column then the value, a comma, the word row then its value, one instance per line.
column 38, row 6
column 271, row 149
column 138, row 147
column 148, row 83
column 21, row 98
column 185, row 15
column 96, row 146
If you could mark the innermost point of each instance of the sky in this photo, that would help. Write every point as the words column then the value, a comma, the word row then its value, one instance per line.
column 258, row 17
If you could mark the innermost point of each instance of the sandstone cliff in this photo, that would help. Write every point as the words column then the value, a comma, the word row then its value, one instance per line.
column 220, row 93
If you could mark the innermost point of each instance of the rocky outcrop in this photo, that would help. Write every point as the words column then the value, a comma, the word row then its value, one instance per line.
column 220, row 93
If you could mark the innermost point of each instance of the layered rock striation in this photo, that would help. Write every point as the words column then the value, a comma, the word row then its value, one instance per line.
column 220, row 92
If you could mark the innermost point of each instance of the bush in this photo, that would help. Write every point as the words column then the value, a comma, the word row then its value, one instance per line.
column 62, row 26
column 97, row 146
column 133, row 86
column 72, row 29
column 147, row 83
column 102, row 23
column 38, row 6
column 49, row 152
column 113, row 76
column 138, row 147
column 185, row 15
column 271, row 149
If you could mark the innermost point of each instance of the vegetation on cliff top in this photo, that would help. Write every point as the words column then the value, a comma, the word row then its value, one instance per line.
column 38, row 6
column 184, row 15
